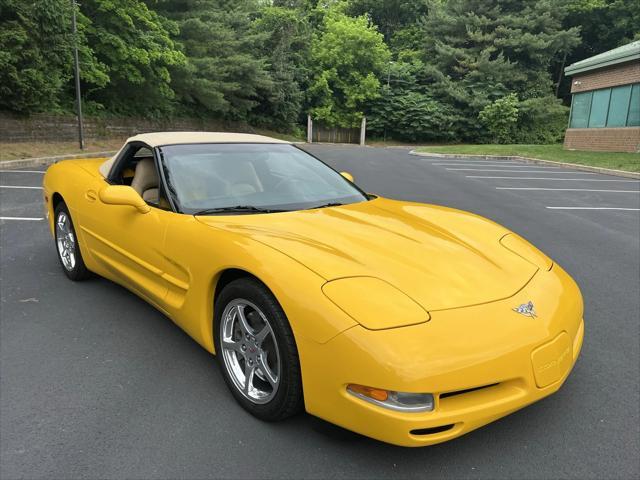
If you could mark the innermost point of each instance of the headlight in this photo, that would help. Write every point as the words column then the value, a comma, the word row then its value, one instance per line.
column 374, row 303
column 400, row 401
column 524, row 249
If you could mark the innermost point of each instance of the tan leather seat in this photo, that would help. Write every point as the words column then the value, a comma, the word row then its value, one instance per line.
column 152, row 195
column 146, row 181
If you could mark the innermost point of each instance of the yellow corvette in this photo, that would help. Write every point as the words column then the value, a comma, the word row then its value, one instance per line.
column 410, row 323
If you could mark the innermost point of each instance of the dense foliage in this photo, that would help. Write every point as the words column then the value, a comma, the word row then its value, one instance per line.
column 421, row 70
column 347, row 56
column 35, row 54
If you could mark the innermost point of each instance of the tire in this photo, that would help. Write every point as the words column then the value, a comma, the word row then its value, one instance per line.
column 67, row 247
column 262, row 347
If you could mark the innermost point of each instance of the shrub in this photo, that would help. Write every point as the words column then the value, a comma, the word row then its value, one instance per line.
column 412, row 116
column 541, row 120
column 500, row 118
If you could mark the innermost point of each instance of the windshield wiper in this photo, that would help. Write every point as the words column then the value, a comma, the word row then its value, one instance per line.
column 327, row 205
column 238, row 209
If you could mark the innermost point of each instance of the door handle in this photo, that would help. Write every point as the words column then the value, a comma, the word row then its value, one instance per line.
column 91, row 195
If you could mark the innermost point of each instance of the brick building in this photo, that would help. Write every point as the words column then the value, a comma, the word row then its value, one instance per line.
column 605, row 104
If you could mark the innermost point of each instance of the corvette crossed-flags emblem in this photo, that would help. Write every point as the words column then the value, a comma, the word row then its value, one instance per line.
column 526, row 309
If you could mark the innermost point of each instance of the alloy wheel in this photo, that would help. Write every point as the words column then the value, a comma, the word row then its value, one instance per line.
column 250, row 351
column 66, row 241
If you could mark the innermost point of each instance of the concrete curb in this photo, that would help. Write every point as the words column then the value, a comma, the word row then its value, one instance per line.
column 585, row 168
column 46, row 161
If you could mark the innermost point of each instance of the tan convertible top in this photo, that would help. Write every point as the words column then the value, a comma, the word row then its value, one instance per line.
column 158, row 139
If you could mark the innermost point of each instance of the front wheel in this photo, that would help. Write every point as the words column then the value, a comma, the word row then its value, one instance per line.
column 256, row 351
column 67, row 245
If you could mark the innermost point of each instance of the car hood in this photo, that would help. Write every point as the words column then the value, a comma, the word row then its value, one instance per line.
column 440, row 257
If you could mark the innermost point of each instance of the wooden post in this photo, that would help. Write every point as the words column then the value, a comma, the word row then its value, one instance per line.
column 309, row 129
column 363, row 131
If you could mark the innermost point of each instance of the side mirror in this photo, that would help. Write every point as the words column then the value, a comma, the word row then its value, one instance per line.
column 123, row 195
column 348, row 176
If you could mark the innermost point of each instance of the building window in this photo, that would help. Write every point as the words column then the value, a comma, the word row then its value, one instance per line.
column 580, row 110
column 607, row 107
column 619, row 106
column 633, row 120
column 599, row 108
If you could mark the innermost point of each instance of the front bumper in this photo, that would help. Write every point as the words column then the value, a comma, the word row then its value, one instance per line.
column 481, row 363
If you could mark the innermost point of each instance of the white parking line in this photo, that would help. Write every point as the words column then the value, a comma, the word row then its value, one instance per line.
column 514, row 165
column 434, row 161
column 568, row 189
column 15, row 186
column 22, row 171
column 594, row 208
column 478, row 162
column 518, row 171
column 556, row 179
column 24, row 219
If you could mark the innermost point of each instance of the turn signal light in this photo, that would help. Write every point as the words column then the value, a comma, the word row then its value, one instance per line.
column 400, row 401
column 375, row 393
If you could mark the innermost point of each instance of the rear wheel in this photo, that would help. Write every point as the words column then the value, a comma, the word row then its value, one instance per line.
column 256, row 351
column 67, row 245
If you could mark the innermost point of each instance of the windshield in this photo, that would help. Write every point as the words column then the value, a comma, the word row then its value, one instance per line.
column 269, row 177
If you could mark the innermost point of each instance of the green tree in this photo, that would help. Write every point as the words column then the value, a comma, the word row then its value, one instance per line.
column 503, row 45
column 347, row 56
column 269, row 62
column 604, row 24
column 225, row 73
column 35, row 54
column 411, row 116
column 541, row 120
column 407, row 109
column 133, row 51
column 478, row 51
column 390, row 16
column 287, row 38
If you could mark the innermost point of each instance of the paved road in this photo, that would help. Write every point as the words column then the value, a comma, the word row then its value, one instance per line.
column 95, row 383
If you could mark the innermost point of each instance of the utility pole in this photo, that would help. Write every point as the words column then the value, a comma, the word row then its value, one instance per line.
column 77, row 75
column 384, row 140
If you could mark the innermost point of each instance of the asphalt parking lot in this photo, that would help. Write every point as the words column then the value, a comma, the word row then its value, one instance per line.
column 97, row 384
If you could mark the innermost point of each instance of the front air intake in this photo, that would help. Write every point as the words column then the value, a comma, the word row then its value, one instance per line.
column 468, row 390
column 431, row 431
